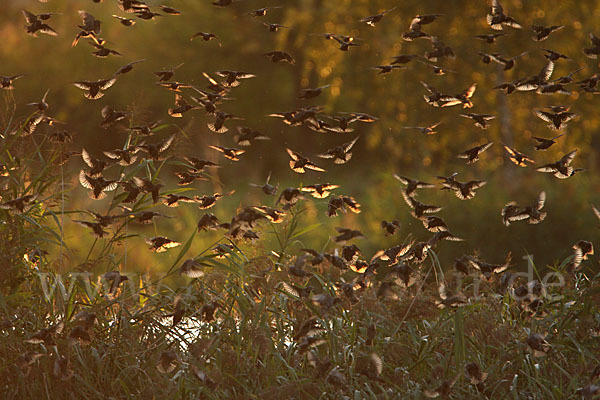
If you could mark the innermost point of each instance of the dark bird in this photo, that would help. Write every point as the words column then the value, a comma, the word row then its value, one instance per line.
column 206, row 36
column 420, row 209
column 340, row 154
column 449, row 299
column 386, row 69
column 346, row 234
column 103, row 52
column 279, row 56
column 496, row 19
column 533, row 82
column 110, row 116
column 289, row 196
column 418, row 20
column 181, row 107
column 538, row 344
column 93, row 89
column 146, row 129
column 96, row 165
column 480, row 119
column 427, row 130
column 310, row 93
column 517, row 157
column 472, row 154
column 434, row 224
column 207, row 201
column 19, row 204
column 440, row 50
column 128, row 67
column 463, row 98
column 98, row 186
column 6, row 82
column 267, row 188
column 373, row 19
column 463, row 190
column 261, row 12
column 173, row 200
column 46, row 335
column 404, row 58
column 219, row 125
column 542, row 32
column 169, row 10
column 544, row 144
column 488, row 270
column 274, row 215
column 232, row 78
column 246, row 136
column 562, row 168
column 552, row 55
column 90, row 28
column 594, row 51
column 412, row 185
column 155, row 151
column 273, row 27
column 188, row 177
column 534, row 213
column 96, row 227
column 491, row 38
column 146, row 14
column 229, row 153
column 41, row 105
column 390, row 228
column 35, row 24
column 344, row 43
column 320, row 190
column 207, row 222
column 300, row 164
column 508, row 63
column 145, row 185
column 166, row 75
column 473, row 373
column 125, row 21
column 174, row 86
column 161, row 244
column 558, row 119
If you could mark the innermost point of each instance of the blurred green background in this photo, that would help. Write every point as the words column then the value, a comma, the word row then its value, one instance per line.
column 384, row 147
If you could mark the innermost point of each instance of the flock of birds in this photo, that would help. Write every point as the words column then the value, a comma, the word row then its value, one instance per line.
column 401, row 262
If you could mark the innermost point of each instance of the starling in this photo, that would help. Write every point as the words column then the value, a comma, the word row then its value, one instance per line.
column 472, row 154
column 556, row 120
column 6, row 82
column 491, row 38
column 229, row 153
column 373, row 19
column 542, row 32
column 161, row 244
column 300, row 164
column 93, row 89
column 562, row 168
column 319, row 191
column 125, row 21
column 496, row 19
column 517, row 157
column 544, row 144
column 166, row 75
column 280, row 56
column 206, row 36
column 427, row 130
column 480, row 119
column 412, row 185
column 340, row 154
